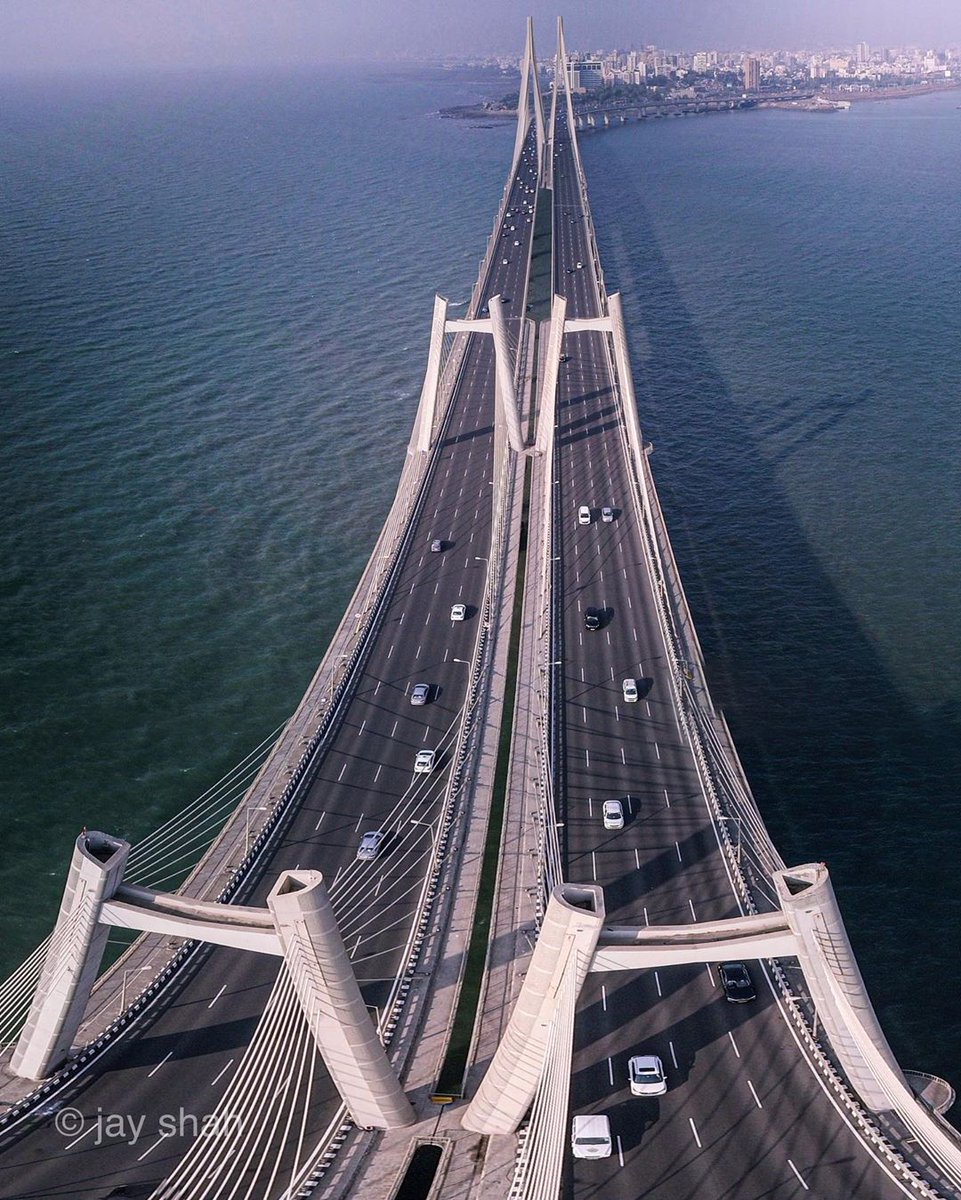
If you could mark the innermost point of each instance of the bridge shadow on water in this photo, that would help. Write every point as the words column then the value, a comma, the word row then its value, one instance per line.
column 844, row 769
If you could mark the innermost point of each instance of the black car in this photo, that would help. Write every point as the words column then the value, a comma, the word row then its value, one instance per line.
column 736, row 981
column 592, row 618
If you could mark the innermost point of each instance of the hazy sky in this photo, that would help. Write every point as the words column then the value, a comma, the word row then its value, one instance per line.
column 89, row 34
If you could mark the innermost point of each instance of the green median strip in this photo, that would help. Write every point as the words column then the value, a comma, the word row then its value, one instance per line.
column 452, row 1072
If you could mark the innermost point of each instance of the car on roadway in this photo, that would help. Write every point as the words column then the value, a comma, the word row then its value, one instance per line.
column 736, row 982
column 458, row 612
column 591, row 1136
column 592, row 619
column 580, row 266
column 420, row 694
column 424, row 761
column 629, row 688
column 516, row 243
column 583, row 515
column 436, row 546
column 645, row 1073
column 370, row 845
column 607, row 514
column 504, row 262
column 613, row 814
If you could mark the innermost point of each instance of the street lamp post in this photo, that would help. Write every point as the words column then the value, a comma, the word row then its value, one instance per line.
column 739, row 838
column 247, row 812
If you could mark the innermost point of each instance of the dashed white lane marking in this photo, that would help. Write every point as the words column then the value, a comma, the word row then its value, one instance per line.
column 637, row 858
column 754, row 1094
column 220, row 1074
column 363, row 725
column 657, row 983
column 620, row 1150
column 657, row 751
column 798, row 1174
column 678, row 849
column 647, row 921
column 378, row 771
column 217, row 997
column 734, row 1044
column 623, row 759
column 696, row 1137
column 320, row 822
column 394, row 730
column 693, row 913
column 673, row 1056
column 342, row 770
column 594, row 865
column 667, row 798
column 603, row 997
column 360, row 821
column 160, row 1064
column 610, row 1071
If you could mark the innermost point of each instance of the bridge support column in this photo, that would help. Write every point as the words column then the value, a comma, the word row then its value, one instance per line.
column 427, row 409
column 504, row 363
column 843, row 1006
column 568, row 937
column 73, row 959
column 547, row 415
column 332, row 1002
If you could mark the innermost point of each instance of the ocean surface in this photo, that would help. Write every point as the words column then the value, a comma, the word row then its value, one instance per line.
column 215, row 305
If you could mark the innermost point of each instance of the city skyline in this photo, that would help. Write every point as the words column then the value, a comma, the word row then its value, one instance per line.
column 109, row 34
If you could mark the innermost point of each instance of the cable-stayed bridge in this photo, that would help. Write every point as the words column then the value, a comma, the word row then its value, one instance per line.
column 287, row 1019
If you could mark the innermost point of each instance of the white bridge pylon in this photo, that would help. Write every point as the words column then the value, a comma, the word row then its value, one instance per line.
column 297, row 925
column 505, row 400
column 575, row 940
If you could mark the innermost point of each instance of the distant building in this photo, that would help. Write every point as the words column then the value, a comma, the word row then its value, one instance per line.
column 585, row 74
column 752, row 74
column 864, row 53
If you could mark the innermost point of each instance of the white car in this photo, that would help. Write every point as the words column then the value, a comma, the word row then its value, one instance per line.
column 458, row 612
column 583, row 515
column 645, row 1072
column 424, row 762
column 591, row 1136
column 580, row 266
column 613, row 814
column 630, row 691
column 607, row 515
column 370, row 845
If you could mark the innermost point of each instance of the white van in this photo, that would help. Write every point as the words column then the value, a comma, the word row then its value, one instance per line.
column 591, row 1137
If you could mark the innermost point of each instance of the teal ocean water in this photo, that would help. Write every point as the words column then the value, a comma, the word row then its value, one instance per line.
column 213, row 323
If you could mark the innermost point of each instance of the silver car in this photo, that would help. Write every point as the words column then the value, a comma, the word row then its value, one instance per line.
column 420, row 694
column 645, row 1073
column 370, row 845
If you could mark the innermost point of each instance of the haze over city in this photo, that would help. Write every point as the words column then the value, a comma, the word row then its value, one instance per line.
column 113, row 34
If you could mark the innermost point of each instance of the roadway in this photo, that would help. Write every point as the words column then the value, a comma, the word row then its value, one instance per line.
column 744, row 1114
column 182, row 1058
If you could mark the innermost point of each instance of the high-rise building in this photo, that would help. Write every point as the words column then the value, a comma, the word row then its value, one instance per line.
column 864, row 53
column 585, row 74
column 752, row 73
